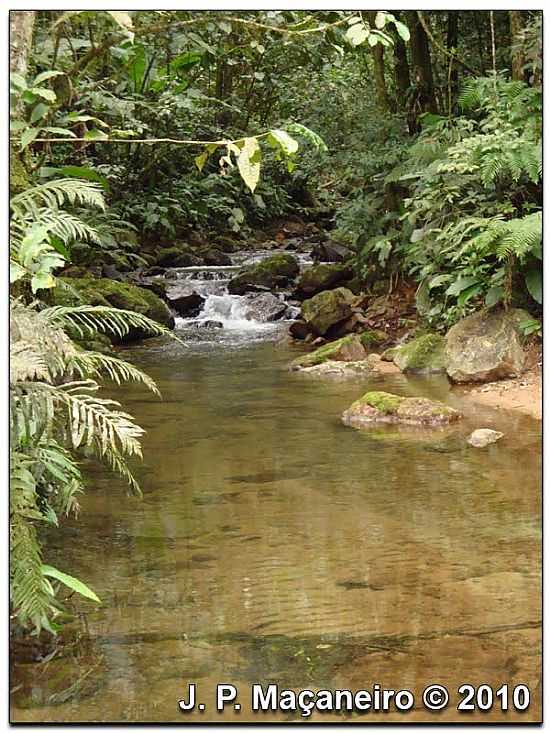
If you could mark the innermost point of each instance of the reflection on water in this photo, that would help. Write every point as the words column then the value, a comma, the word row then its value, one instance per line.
column 273, row 544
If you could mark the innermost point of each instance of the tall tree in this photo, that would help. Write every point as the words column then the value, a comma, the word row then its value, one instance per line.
column 21, row 27
column 401, row 67
column 452, row 40
column 424, row 100
column 518, row 55
column 378, row 61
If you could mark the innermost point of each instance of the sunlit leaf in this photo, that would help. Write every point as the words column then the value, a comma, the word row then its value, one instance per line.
column 248, row 162
column 73, row 583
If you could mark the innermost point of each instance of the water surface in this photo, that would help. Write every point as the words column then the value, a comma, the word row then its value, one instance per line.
column 273, row 544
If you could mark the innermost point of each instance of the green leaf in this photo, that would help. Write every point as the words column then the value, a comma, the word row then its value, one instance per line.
column 40, row 111
column 533, row 280
column 357, row 34
column 494, row 295
column 42, row 281
column 45, row 75
column 18, row 81
column 462, row 283
column 200, row 160
column 82, row 171
column 46, row 94
column 402, row 29
column 468, row 293
column 28, row 136
column 95, row 135
column 73, row 583
column 380, row 20
column 61, row 131
column 248, row 162
column 287, row 144
column 16, row 271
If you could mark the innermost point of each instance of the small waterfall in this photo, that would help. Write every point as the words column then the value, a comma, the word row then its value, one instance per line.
column 233, row 312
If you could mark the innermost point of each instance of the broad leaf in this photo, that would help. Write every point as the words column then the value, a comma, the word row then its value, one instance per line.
column 40, row 111
column 248, row 162
column 533, row 280
column 287, row 144
column 73, row 583
column 357, row 34
column 45, row 75
column 28, row 136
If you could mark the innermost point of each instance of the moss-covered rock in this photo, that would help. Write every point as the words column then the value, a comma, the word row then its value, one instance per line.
column 322, row 277
column 327, row 308
column 423, row 355
column 376, row 407
column 180, row 255
column 212, row 256
column 372, row 338
column 273, row 272
column 102, row 291
column 348, row 348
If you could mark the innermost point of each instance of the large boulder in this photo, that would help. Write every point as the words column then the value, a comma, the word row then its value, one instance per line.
column 384, row 407
column 264, row 307
column 101, row 291
column 322, row 277
column 330, row 251
column 348, row 348
column 486, row 346
column 273, row 272
column 327, row 308
column 422, row 355
column 181, row 255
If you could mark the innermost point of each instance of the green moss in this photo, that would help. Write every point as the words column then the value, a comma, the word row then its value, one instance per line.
column 372, row 338
column 105, row 292
column 19, row 179
column 181, row 255
column 384, row 401
column 425, row 353
column 322, row 277
column 268, row 273
column 323, row 353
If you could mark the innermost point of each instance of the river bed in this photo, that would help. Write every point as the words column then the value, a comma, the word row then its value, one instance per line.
column 273, row 544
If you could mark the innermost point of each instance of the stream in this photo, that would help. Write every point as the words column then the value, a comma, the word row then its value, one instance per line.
column 274, row 544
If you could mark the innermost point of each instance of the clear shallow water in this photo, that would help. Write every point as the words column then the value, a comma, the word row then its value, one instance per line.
column 273, row 544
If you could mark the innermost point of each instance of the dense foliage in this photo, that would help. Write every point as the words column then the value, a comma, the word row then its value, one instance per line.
column 415, row 136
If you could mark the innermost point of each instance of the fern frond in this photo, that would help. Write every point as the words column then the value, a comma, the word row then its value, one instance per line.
column 55, row 194
column 93, row 364
column 89, row 319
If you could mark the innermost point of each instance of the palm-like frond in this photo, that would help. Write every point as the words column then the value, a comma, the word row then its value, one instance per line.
column 54, row 194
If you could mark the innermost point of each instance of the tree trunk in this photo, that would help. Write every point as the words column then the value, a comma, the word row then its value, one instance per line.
column 452, row 40
column 379, row 77
column 518, row 56
column 401, row 67
column 424, row 98
column 21, row 26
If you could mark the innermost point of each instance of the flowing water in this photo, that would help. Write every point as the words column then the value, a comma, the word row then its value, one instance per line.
column 273, row 544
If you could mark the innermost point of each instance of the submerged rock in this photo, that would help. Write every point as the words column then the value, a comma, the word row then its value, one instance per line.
column 424, row 355
column 273, row 272
column 376, row 407
column 348, row 348
column 299, row 330
column 486, row 346
column 483, row 437
column 338, row 369
column 326, row 309
column 105, row 292
column 264, row 307
column 322, row 277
